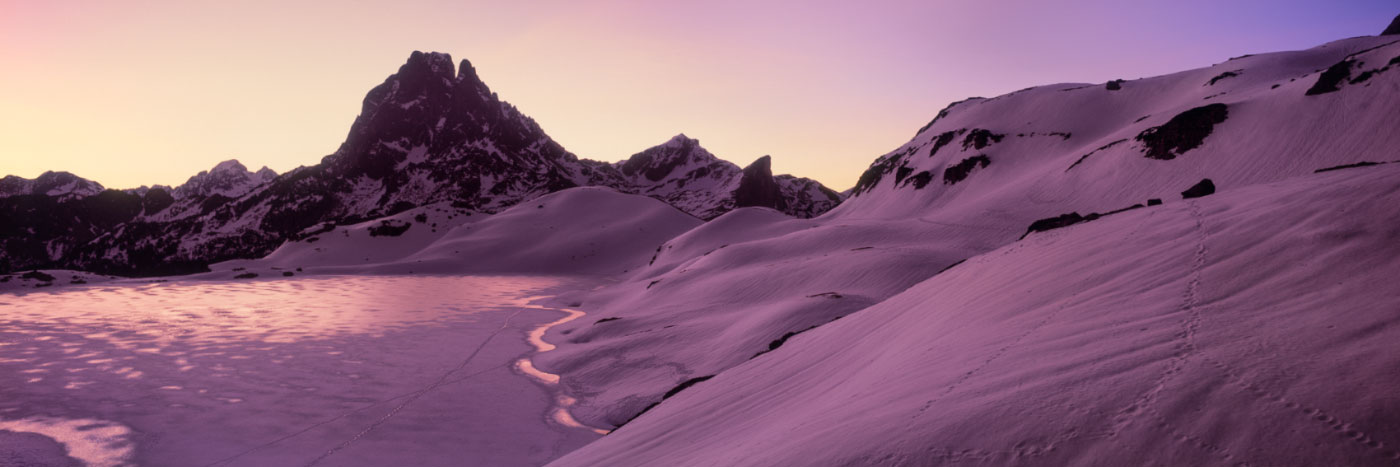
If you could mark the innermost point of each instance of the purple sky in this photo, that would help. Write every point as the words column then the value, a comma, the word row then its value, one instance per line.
column 142, row 92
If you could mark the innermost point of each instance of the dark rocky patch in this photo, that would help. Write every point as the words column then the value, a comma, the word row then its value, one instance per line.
column 862, row 248
column 921, row 179
column 960, row 171
column 658, row 281
column 1348, row 166
column 287, row 274
column 676, row 390
column 389, row 228
column 1201, row 188
column 979, row 138
column 943, row 113
column 951, row 266
column 37, row 275
column 826, row 294
column 1052, row 223
column 422, row 218
column 1275, row 86
column 246, row 275
column 1154, row 202
column 901, row 173
column 1228, row 74
column 942, row 140
column 1144, row 117
column 1114, row 85
column 1331, row 79
column 1100, row 148
column 1184, row 132
column 604, row 320
column 685, row 385
column 1394, row 27
column 878, row 169
column 757, row 187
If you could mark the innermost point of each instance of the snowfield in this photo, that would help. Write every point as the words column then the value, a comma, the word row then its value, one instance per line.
column 1258, row 327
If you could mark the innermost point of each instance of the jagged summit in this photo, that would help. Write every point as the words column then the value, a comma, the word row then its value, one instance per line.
column 757, row 187
column 1394, row 27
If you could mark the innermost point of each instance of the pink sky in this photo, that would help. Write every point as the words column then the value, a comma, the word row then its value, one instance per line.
column 150, row 92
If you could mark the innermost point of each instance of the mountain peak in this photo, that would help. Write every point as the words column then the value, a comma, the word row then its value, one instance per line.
column 757, row 187
column 229, row 165
column 436, row 63
column 1394, row 27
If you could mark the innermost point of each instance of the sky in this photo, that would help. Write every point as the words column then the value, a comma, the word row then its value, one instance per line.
column 137, row 92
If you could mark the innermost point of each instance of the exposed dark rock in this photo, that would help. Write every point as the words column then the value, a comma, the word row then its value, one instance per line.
column 1051, row 223
column 288, row 274
column 942, row 140
column 389, row 228
column 684, row 385
column 1154, row 202
column 921, row 179
column 604, row 320
column 979, row 138
column 944, row 113
column 902, row 172
column 1228, row 74
column 1394, row 27
column 1348, row 166
column 826, row 294
column 1331, row 79
column 1114, row 85
column 246, row 275
column 1201, row 188
column 1100, row 148
column 757, row 187
column 951, row 266
column 1184, row 132
column 959, row 172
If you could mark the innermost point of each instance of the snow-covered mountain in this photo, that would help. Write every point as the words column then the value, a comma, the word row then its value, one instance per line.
column 61, row 185
column 985, row 179
column 687, row 176
column 431, row 133
column 229, row 179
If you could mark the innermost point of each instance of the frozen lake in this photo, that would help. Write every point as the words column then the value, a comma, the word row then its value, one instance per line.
column 307, row 371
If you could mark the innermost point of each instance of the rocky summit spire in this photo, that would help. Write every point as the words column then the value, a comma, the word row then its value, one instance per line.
column 1394, row 27
column 757, row 187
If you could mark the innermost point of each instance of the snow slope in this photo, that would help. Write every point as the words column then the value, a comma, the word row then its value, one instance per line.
column 1253, row 327
column 586, row 230
column 774, row 275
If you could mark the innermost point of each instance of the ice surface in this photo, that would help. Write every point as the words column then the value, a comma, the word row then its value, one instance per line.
column 327, row 370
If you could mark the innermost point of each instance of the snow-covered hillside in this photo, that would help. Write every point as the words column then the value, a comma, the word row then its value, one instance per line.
column 1254, row 327
column 975, row 180
column 586, row 230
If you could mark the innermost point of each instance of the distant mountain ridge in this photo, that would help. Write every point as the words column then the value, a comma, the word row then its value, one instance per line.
column 430, row 133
